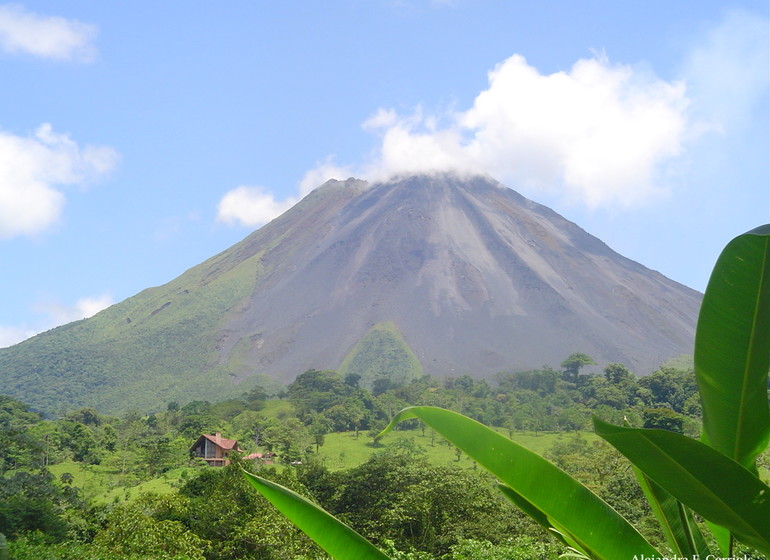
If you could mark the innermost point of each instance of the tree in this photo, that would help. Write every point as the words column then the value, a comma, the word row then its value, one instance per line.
column 32, row 501
column 353, row 379
column 381, row 385
column 235, row 521
column 617, row 373
column 86, row 415
column 574, row 363
column 317, row 391
column 664, row 419
column 400, row 496
column 19, row 446
column 139, row 529
column 81, row 442
column 521, row 548
column 255, row 399
column 251, row 426
column 670, row 387
column 290, row 439
column 319, row 426
column 348, row 415
column 158, row 454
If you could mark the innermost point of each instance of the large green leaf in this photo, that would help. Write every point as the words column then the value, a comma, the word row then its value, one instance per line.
column 336, row 538
column 732, row 349
column 542, row 519
column 712, row 484
column 567, row 504
column 682, row 533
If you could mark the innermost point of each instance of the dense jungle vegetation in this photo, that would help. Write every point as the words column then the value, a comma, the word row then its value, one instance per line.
column 81, row 486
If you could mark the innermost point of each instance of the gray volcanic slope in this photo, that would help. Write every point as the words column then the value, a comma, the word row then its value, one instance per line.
column 471, row 276
column 476, row 278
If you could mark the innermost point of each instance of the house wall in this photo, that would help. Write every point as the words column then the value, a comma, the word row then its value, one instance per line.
column 212, row 453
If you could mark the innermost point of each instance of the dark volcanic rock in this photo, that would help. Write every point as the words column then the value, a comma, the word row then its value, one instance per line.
column 476, row 277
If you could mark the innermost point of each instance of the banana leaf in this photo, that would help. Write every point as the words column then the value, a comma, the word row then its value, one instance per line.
column 732, row 349
column 682, row 533
column 710, row 483
column 542, row 519
column 337, row 539
column 567, row 505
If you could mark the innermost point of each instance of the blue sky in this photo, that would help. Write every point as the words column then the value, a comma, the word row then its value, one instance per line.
column 139, row 138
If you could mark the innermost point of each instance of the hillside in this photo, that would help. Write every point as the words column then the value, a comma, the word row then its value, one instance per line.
column 436, row 275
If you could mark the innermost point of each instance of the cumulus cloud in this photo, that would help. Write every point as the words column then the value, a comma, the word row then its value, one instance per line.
column 55, row 314
column 251, row 206
column 12, row 335
column 601, row 132
column 322, row 173
column 32, row 170
column 45, row 36
column 255, row 206
column 85, row 307
column 416, row 144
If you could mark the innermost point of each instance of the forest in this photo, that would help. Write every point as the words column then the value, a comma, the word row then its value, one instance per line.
column 412, row 494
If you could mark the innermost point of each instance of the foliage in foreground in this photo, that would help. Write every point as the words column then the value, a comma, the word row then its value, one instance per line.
column 716, row 478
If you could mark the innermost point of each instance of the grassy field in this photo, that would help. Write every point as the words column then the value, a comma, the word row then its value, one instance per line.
column 343, row 450
column 276, row 408
column 100, row 487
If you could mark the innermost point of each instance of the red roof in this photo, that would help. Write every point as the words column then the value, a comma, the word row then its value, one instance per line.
column 268, row 455
column 224, row 443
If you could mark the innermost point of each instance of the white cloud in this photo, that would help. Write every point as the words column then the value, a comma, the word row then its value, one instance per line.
column 12, row 335
column 322, row 173
column 415, row 144
column 601, row 132
column 85, row 307
column 255, row 206
column 251, row 206
column 55, row 314
column 728, row 71
column 31, row 169
column 45, row 36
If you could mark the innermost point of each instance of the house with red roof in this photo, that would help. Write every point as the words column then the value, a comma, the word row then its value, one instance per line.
column 214, row 449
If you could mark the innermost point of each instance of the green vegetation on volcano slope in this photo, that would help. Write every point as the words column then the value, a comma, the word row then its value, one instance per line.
column 151, row 349
column 382, row 359
column 161, row 344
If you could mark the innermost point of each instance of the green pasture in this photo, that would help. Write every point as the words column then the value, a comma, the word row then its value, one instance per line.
column 344, row 450
column 101, row 485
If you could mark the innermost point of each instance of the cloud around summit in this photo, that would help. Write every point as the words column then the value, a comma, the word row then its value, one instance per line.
column 601, row 134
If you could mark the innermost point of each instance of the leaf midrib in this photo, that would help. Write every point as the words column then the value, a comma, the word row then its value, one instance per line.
column 741, row 434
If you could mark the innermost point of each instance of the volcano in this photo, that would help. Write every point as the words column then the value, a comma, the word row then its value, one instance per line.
column 432, row 274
